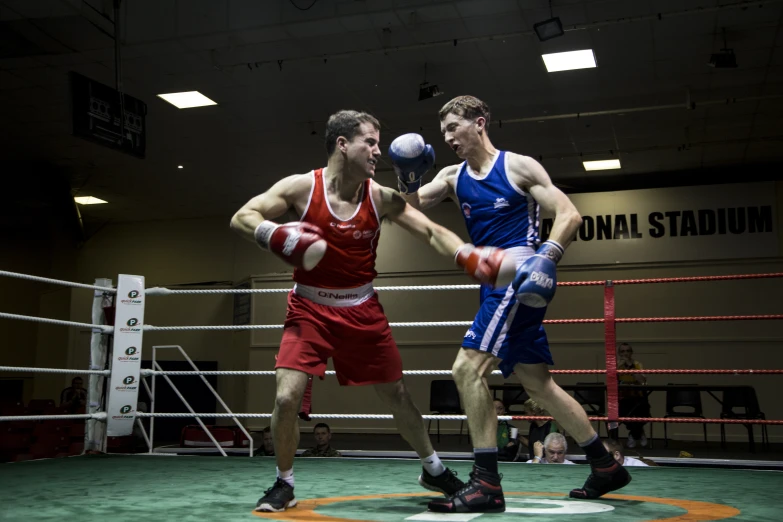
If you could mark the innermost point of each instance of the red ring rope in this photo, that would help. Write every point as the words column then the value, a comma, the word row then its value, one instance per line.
column 697, row 279
column 699, row 318
column 767, row 317
column 610, row 321
column 673, row 279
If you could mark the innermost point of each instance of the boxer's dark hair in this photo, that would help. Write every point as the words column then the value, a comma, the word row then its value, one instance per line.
column 468, row 107
column 346, row 124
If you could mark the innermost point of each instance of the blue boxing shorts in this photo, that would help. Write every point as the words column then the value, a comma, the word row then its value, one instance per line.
column 508, row 330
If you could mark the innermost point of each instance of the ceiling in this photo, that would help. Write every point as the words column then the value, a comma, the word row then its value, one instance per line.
column 277, row 70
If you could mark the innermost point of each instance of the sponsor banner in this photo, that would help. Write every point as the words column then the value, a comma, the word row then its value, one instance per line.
column 674, row 224
column 126, row 356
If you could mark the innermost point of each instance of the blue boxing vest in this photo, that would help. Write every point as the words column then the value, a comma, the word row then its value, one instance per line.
column 496, row 212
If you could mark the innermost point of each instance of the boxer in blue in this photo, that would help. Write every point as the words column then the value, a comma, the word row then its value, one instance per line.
column 499, row 194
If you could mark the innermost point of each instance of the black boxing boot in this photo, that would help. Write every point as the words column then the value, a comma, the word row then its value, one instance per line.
column 482, row 494
column 607, row 475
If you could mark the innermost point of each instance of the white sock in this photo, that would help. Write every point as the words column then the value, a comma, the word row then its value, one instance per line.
column 288, row 476
column 433, row 465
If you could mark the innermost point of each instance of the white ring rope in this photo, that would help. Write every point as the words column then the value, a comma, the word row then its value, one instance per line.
column 149, row 327
column 58, row 282
column 102, row 327
column 97, row 416
column 166, row 291
column 147, row 373
column 432, row 323
column 53, row 370
column 427, row 287
column 312, row 416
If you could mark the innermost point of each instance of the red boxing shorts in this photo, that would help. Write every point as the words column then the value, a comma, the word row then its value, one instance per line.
column 358, row 338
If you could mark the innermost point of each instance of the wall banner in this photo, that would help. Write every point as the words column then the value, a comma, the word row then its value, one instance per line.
column 674, row 224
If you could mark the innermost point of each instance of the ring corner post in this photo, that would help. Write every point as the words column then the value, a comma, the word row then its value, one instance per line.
column 610, row 347
column 123, row 391
column 94, row 433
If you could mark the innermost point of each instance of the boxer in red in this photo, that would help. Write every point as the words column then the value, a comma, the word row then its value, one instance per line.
column 333, row 310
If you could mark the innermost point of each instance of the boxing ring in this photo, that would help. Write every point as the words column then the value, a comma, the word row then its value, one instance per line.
column 97, row 484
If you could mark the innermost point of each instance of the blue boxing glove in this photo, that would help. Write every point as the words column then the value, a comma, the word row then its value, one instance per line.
column 411, row 159
column 536, row 279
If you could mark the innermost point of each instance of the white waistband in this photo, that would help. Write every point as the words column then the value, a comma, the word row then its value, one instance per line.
column 520, row 253
column 335, row 296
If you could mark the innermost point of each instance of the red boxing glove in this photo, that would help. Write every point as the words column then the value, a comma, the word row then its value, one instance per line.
column 297, row 243
column 487, row 265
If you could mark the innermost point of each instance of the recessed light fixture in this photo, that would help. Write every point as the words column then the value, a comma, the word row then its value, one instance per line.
column 549, row 29
column 602, row 164
column 88, row 200
column 180, row 167
column 569, row 61
column 187, row 100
